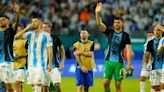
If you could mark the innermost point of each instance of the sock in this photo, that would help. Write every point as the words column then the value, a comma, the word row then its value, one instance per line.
column 37, row 88
column 142, row 86
column 86, row 89
column 152, row 90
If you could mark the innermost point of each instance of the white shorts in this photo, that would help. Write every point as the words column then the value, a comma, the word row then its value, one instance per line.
column 55, row 76
column 6, row 72
column 144, row 73
column 36, row 76
column 155, row 77
column 19, row 75
column 162, row 80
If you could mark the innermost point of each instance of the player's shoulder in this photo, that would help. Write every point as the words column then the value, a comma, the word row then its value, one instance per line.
column 29, row 32
column 90, row 41
column 76, row 43
column 150, row 41
column 126, row 34
column 162, row 39
column 46, row 34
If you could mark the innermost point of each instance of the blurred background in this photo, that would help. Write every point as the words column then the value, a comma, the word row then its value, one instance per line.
column 69, row 16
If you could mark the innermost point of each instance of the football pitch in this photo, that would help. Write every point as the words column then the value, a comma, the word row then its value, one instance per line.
column 128, row 85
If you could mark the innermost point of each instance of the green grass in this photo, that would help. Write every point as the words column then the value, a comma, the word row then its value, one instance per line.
column 68, row 85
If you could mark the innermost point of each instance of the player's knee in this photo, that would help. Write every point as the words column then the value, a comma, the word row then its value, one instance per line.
column 118, row 85
column 9, row 87
column 18, row 84
column 80, row 88
column 143, row 78
column 106, row 83
column 162, row 86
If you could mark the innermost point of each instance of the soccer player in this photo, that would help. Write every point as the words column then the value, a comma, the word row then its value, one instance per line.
column 58, row 51
column 84, row 54
column 39, row 45
column 117, row 41
column 7, row 33
column 161, row 50
column 20, row 54
column 157, row 60
column 144, row 71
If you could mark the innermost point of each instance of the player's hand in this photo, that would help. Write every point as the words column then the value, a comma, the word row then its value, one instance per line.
column 61, row 67
column 149, row 67
column 129, row 67
column 16, row 8
column 99, row 7
column 84, row 69
column 16, row 58
column 49, row 68
column 76, row 53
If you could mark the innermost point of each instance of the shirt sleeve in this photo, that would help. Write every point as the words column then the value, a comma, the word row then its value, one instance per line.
column 92, row 47
column 74, row 46
column 49, row 40
column 13, row 31
column 26, row 45
column 27, row 35
column 127, row 40
column 161, row 43
column 58, row 41
column 107, row 31
column 148, row 47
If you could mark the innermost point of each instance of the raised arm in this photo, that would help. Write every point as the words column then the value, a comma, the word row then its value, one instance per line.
column 19, row 34
column 16, row 8
column 98, row 9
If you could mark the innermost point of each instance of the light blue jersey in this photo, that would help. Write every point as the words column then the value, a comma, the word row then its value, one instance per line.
column 114, row 52
column 2, row 53
column 37, row 48
column 157, row 59
column 161, row 43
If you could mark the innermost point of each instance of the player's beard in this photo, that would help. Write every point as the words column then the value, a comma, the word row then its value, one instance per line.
column 117, row 28
column 3, row 25
column 35, row 27
column 84, row 38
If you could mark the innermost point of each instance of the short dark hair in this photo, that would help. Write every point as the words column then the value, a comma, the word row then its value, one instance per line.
column 4, row 16
column 84, row 29
column 118, row 18
column 48, row 23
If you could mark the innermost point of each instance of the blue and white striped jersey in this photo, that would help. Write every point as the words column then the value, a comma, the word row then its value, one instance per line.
column 37, row 48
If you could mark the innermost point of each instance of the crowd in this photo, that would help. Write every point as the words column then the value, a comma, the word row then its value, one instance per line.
column 69, row 16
